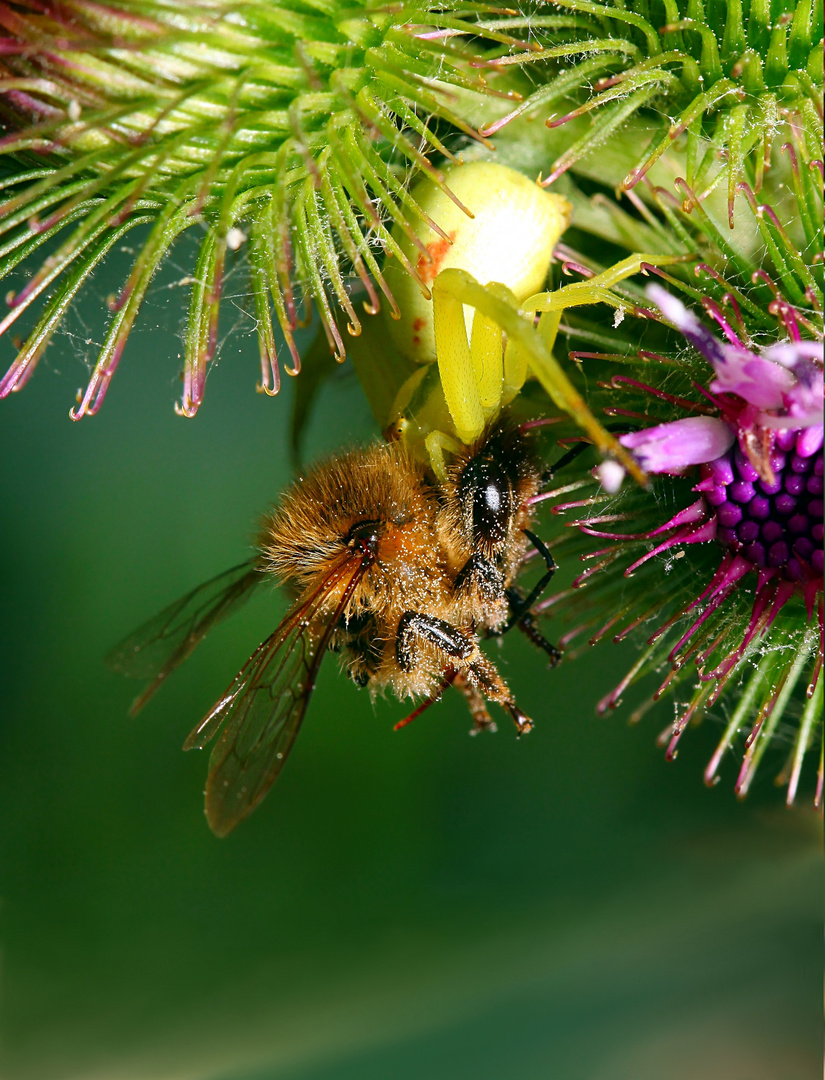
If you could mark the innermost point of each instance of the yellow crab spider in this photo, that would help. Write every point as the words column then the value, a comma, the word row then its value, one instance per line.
column 477, row 273
column 496, row 223
column 481, row 376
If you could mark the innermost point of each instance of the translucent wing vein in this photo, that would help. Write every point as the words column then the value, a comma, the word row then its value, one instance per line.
column 262, row 710
column 159, row 646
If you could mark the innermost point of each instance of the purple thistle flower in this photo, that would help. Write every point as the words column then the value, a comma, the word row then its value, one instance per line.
column 757, row 448
column 761, row 470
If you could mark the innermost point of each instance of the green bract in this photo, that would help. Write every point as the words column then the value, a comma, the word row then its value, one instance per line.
column 289, row 125
column 722, row 73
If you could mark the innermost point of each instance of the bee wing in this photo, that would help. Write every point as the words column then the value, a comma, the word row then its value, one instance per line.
column 160, row 645
column 265, row 704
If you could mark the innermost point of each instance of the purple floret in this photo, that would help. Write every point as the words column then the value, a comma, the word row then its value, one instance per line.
column 777, row 525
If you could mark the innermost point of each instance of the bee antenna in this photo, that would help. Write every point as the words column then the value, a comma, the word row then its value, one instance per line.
column 581, row 445
column 570, row 456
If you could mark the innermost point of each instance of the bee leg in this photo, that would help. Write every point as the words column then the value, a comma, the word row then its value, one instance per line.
column 479, row 671
column 413, row 625
column 521, row 720
column 365, row 660
column 426, row 703
column 550, row 568
column 483, row 575
column 481, row 584
column 566, row 459
column 482, row 721
column 528, row 627
column 520, row 607
column 359, row 637
column 482, row 673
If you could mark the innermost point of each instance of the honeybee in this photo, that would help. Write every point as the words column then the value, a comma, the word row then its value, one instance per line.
column 401, row 575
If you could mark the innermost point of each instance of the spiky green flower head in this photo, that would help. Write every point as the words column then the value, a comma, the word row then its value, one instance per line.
column 286, row 128
column 292, row 130
column 716, row 76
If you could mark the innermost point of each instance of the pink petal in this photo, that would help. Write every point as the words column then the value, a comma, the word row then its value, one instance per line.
column 786, row 376
column 802, row 403
column 685, row 320
column 671, row 448
column 753, row 378
column 789, row 353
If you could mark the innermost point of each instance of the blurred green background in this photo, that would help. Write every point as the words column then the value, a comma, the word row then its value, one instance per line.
column 403, row 905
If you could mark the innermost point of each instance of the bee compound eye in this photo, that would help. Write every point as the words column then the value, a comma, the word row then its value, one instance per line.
column 486, row 491
column 492, row 498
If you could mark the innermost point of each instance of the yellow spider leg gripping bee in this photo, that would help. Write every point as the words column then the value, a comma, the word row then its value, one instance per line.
column 500, row 227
